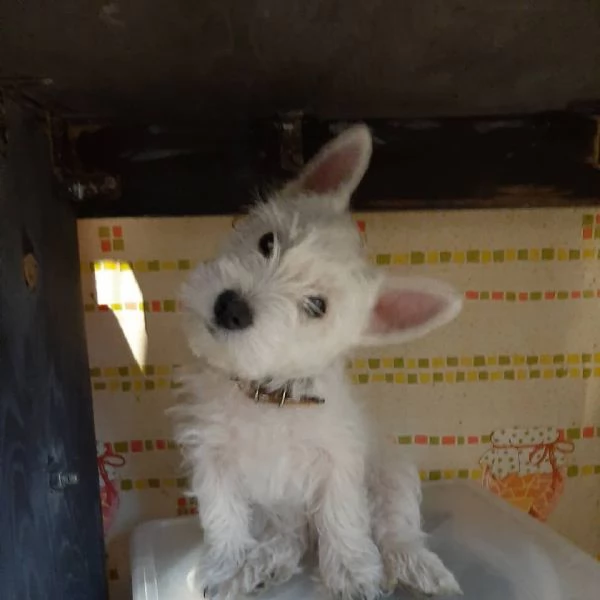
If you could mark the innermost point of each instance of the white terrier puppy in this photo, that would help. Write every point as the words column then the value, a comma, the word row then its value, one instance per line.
column 280, row 454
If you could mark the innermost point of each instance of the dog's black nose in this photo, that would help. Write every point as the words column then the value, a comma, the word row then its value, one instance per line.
column 232, row 311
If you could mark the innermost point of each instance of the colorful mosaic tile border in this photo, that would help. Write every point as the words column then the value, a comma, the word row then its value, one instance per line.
column 457, row 257
column 535, row 296
column 477, row 474
column 148, row 306
column 136, row 446
column 111, row 238
column 153, row 483
column 187, row 505
column 567, row 433
column 590, row 227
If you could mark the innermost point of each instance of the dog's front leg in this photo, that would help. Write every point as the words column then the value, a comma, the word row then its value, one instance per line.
column 349, row 561
column 225, row 516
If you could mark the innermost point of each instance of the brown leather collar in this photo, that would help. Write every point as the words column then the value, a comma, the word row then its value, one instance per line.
column 281, row 396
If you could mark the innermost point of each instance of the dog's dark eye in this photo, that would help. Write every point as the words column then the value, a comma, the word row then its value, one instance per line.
column 266, row 244
column 315, row 306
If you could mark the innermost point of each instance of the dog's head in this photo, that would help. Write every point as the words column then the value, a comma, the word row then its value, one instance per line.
column 292, row 290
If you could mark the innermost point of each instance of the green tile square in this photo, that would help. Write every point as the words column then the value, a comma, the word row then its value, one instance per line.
column 445, row 257
column 417, row 258
column 176, row 385
column 558, row 359
column 574, row 254
column 535, row 296
column 587, row 373
column 374, row 363
column 509, row 375
column 412, row 378
column 99, row 386
column 383, row 259
column 523, row 254
column 561, row 373
column 126, row 386
column 473, row 256
column 153, row 265
column 363, row 378
column 486, row 439
column 587, row 220
column 460, row 376
column 483, row 376
column 573, row 471
column 463, row 473
column 574, row 433
column 460, row 440
column 479, row 361
column 534, row 374
column 126, row 485
column 435, row 475
column 510, row 296
column 181, row 482
column 170, row 306
column 548, row 253
column 184, row 265
column 452, row 361
column 586, row 358
column 588, row 294
column 434, row 440
column 95, row 372
column 398, row 363
column 597, row 470
column 146, row 306
column 123, row 371
column 562, row 295
column 389, row 378
column 171, row 445
column 121, row 447
column 485, row 295
column 148, row 445
column 597, row 233
column 104, row 232
column 118, row 245
column 423, row 363
column 438, row 378
column 498, row 256
column 153, row 483
column 149, row 384
column 504, row 359
column 404, row 439
column 149, row 370
column 532, row 360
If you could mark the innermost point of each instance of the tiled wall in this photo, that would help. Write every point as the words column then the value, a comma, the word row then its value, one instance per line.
column 508, row 394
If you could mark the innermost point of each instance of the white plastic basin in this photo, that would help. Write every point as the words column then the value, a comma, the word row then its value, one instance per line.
column 495, row 551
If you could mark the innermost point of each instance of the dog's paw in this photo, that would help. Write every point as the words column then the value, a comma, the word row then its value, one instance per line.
column 421, row 570
column 212, row 572
column 357, row 579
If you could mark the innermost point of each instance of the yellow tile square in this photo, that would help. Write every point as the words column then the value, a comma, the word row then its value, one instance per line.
column 562, row 254
column 546, row 359
column 589, row 253
column 124, row 266
column 110, row 265
column 458, row 257
column 521, row 374
column 548, row 373
column 140, row 484
column 140, row 265
column 163, row 369
column 574, row 373
column 387, row 363
column 399, row 377
column 423, row 475
column 378, row 377
column 573, row 359
column 450, row 474
column 110, row 372
column 411, row 363
column 597, row 358
column 438, row 362
column 163, row 384
column 472, row 376
column 354, row 378
column 449, row 377
column 114, row 385
column 496, row 375
column 168, row 482
column 433, row 258
column 510, row 255
column 518, row 359
column 168, row 265
column 476, row 474
column 486, row 256
column 534, row 254
column 466, row 361
column 587, row 470
column 360, row 363
column 424, row 378
column 138, row 385
column 400, row 259
column 491, row 361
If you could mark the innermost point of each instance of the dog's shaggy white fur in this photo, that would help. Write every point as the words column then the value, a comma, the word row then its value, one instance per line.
column 273, row 482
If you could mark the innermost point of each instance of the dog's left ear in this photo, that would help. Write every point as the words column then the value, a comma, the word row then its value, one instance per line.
column 407, row 308
column 337, row 169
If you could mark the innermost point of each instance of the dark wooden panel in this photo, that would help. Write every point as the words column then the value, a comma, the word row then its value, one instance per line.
column 51, row 541
column 548, row 159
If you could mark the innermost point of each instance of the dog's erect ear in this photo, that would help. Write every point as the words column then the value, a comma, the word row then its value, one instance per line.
column 408, row 308
column 337, row 168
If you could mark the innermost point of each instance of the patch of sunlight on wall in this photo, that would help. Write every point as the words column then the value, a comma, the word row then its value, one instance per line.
column 117, row 286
